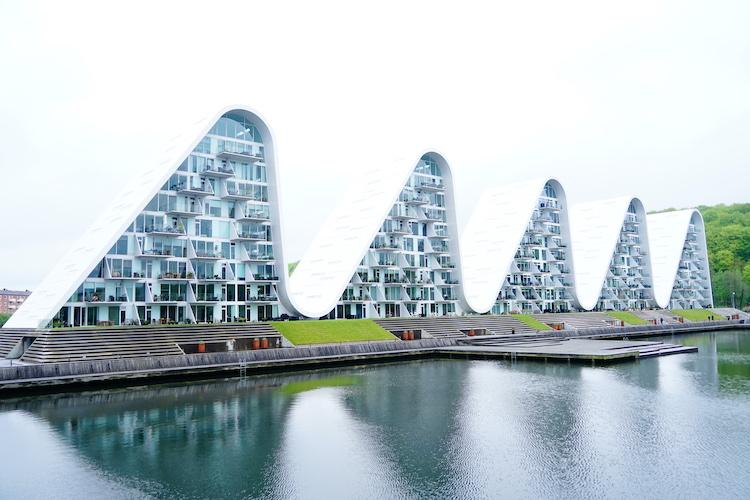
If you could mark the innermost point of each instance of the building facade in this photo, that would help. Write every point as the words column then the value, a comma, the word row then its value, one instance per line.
column 201, row 250
column 539, row 279
column 692, row 286
column 197, row 238
column 11, row 300
column 409, row 269
column 628, row 281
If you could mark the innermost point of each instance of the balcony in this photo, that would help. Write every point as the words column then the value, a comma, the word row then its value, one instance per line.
column 434, row 215
column 208, row 298
column 175, row 276
column 206, row 255
column 425, row 185
column 403, row 229
column 260, row 257
column 126, row 276
column 385, row 246
column 163, row 253
column 415, row 199
column 264, row 277
column 189, row 190
column 254, row 215
column 243, row 156
column 165, row 231
column 385, row 263
column 193, row 211
column 211, row 278
column 220, row 172
column 355, row 298
column 250, row 236
column 166, row 298
column 240, row 193
column 262, row 298
column 95, row 298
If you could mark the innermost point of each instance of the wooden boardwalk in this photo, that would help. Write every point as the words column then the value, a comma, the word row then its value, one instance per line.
column 562, row 349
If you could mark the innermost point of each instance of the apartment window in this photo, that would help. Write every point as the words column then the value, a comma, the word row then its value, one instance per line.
column 237, row 127
column 121, row 247
column 204, row 146
column 203, row 228
column 97, row 271
column 121, row 268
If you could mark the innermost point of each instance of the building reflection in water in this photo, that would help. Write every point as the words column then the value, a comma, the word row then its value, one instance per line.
column 442, row 428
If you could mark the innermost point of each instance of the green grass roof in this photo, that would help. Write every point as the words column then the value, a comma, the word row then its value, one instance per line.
column 531, row 321
column 628, row 317
column 331, row 331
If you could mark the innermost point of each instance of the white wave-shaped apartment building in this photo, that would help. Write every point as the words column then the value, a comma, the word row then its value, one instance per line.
column 198, row 239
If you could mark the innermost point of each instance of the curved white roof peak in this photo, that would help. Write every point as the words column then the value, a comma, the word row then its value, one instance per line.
column 326, row 268
column 492, row 236
column 74, row 267
column 667, row 234
column 595, row 229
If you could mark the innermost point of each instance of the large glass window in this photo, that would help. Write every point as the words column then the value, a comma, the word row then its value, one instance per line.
column 238, row 127
column 120, row 247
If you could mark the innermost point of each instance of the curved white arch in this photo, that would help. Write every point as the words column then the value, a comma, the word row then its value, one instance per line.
column 494, row 233
column 667, row 234
column 595, row 230
column 73, row 268
column 331, row 259
column 483, row 257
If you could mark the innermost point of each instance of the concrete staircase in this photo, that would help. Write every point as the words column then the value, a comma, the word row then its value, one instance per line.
column 729, row 311
column 53, row 346
column 656, row 314
column 576, row 321
column 456, row 327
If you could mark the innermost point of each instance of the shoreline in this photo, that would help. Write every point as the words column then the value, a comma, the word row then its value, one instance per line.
column 85, row 375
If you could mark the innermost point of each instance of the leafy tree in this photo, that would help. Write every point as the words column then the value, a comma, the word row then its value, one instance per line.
column 3, row 318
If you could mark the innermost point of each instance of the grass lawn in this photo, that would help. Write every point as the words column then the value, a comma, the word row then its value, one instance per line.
column 628, row 317
column 531, row 321
column 697, row 314
column 331, row 331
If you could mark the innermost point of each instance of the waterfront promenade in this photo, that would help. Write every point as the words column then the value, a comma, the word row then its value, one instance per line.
column 593, row 346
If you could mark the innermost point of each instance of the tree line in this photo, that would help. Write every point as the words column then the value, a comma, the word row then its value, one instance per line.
column 728, row 240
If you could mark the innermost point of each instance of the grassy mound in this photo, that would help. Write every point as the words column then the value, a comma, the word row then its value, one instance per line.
column 697, row 314
column 628, row 317
column 531, row 321
column 331, row 331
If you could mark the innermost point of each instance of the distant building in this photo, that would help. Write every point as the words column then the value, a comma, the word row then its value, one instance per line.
column 10, row 300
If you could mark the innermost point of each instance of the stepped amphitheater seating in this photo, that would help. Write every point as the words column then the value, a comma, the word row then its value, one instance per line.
column 656, row 314
column 131, row 342
column 451, row 327
column 9, row 339
column 728, row 311
column 576, row 321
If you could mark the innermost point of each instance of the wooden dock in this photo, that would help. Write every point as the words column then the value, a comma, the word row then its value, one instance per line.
column 561, row 349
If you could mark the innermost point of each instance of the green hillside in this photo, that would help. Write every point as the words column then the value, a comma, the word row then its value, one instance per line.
column 728, row 239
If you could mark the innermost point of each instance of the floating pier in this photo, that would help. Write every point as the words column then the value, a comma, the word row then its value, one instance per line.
column 561, row 349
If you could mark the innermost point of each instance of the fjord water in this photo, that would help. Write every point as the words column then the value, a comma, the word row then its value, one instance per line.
column 677, row 426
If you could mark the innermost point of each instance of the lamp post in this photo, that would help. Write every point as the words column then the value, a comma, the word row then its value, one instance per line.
column 733, row 306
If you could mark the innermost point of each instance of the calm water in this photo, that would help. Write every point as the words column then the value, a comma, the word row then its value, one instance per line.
column 673, row 427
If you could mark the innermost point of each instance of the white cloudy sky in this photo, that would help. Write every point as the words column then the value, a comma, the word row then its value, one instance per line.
column 613, row 98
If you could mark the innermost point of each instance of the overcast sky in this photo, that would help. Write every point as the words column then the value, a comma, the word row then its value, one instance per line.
column 613, row 98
